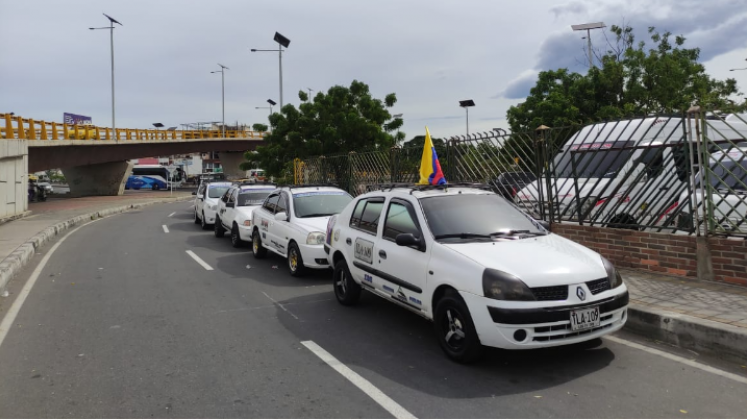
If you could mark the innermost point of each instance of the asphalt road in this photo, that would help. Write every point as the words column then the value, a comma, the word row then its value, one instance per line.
column 123, row 322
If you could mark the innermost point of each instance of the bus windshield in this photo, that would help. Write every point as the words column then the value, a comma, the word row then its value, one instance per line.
column 591, row 160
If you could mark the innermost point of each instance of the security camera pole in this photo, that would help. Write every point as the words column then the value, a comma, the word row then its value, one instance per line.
column 112, row 21
column 282, row 42
column 467, row 104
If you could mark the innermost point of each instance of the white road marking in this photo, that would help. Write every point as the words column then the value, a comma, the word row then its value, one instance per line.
column 280, row 305
column 362, row 383
column 165, row 228
column 199, row 261
column 173, row 213
column 12, row 313
column 680, row 359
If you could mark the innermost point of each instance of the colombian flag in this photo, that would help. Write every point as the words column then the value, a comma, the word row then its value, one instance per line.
column 430, row 168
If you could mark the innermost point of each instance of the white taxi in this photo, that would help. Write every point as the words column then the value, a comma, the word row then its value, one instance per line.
column 206, row 202
column 235, row 211
column 483, row 271
column 291, row 223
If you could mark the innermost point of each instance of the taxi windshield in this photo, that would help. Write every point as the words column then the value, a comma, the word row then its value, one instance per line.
column 320, row 203
column 476, row 216
column 217, row 191
column 252, row 198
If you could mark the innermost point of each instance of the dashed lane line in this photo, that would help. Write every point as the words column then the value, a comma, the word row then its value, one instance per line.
column 165, row 228
column 173, row 213
column 199, row 260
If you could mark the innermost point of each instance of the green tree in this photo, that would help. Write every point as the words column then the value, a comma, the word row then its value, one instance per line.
column 342, row 120
column 631, row 81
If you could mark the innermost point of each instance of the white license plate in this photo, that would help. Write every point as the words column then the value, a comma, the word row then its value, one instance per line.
column 585, row 318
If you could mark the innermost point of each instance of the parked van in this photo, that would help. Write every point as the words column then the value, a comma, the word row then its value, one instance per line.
column 725, row 184
column 625, row 173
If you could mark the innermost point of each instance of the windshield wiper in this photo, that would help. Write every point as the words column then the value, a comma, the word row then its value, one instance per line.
column 316, row 215
column 463, row 235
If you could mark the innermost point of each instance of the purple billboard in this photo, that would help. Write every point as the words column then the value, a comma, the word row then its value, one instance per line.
column 72, row 119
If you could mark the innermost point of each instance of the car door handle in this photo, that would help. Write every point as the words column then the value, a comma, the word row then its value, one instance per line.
column 348, row 241
column 382, row 254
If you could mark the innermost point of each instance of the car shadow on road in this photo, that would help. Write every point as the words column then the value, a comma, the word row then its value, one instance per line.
column 271, row 270
column 387, row 340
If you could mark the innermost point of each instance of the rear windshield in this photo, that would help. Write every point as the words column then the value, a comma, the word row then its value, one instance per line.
column 320, row 203
column 729, row 175
column 252, row 198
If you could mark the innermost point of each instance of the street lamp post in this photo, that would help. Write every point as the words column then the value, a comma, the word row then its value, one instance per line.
column 282, row 42
column 588, row 27
column 467, row 104
column 112, row 21
column 745, row 68
column 223, row 93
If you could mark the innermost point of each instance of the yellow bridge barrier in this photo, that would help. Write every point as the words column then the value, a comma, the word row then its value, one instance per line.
column 16, row 127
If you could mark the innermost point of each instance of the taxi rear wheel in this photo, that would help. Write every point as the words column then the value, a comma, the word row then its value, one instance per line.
column 455, row 330
column 257, row 250
column 347, row 291
column 295, row 261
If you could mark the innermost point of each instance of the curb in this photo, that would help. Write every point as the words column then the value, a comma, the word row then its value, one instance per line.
column 17, row 260
column 716, row 339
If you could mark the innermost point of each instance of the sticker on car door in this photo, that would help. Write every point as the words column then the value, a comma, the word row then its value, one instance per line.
column 364, row 250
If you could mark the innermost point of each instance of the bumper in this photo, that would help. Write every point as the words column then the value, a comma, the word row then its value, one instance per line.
column 314, row 256
column 209, row 215
column 245, row 233
column 542, row 326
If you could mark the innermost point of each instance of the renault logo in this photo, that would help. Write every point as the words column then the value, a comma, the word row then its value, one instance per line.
column 580, row 293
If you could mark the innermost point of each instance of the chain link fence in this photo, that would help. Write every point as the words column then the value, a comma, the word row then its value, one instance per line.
column 675, row 173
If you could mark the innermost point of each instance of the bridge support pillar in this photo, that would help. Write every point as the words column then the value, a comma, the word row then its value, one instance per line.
column 99, row 179
column 230, row 162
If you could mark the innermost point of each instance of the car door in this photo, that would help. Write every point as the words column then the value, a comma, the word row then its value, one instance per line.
column 360, row 241
column 200, row 199
column 402, row 268
column 265, row 219
column 229, row 208
column 282, row 229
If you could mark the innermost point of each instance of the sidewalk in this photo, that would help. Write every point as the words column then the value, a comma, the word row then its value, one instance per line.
column 20, row 238
column 697, row 315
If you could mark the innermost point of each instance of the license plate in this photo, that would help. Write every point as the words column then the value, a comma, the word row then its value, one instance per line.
column 585, row 318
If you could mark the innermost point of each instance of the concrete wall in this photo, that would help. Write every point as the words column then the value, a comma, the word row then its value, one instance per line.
column 230, row 162
column 100, row 179
column 13, row 177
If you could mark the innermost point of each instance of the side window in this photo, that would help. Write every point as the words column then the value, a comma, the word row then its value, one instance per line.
column 232, row 195
column 201, row 191
column 400, row 218
column 226, row 196
column 282, row 204
column 371, row 215
column 271, row 203
column 653, row 159
column 355, row 220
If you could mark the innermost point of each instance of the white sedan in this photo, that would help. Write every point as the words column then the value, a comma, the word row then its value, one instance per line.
column 291, row 223
column 483, row 271
column 206, row 202
column 235, row 210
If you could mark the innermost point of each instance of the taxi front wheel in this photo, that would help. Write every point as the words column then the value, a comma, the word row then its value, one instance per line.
column 347, row 291
column 455, row 330
column 295, row 261
column 257, row 249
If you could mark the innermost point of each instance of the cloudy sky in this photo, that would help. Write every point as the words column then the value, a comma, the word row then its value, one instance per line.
column 431, row 53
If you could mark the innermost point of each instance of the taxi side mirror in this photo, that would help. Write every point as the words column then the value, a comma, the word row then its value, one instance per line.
column 281, row 217
column 408, row 239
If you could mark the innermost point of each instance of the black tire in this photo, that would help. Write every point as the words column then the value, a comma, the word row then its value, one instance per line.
column 258, row 250
column 623, row 221
column 236, row 240
column 197, row 219
column 347, row 291
column 295, row 261
column 452, row 320
column 218, row 228
column 203, row 222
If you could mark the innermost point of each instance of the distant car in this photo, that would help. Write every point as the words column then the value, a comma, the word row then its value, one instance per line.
column 235, row 211
column 206, row 202
column 291, row 223
column 47, row 186
column 508, row 184
column 484, row 272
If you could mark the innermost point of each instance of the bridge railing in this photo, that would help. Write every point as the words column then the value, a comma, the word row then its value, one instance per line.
column 17, row 127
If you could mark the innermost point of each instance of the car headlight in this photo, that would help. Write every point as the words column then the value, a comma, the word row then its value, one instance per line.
column 212, row 206
column 503, row 286
column 247, row 223
column 612, row 274
column 315, row 238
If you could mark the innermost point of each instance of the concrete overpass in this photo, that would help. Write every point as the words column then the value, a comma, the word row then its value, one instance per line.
column 94, row 160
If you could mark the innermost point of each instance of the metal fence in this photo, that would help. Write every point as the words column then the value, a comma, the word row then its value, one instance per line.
column 682, row 174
